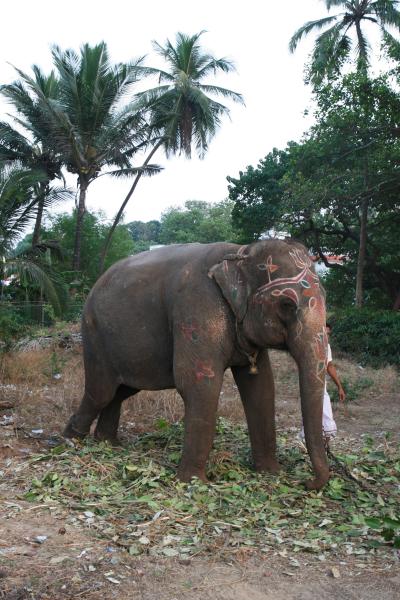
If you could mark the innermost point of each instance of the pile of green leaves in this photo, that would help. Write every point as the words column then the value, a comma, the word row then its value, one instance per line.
column 131, row 496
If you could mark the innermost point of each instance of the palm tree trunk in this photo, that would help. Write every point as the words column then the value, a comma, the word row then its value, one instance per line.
column 122, row 208
column 361, row 253
column 39, row 215
column 76, row 260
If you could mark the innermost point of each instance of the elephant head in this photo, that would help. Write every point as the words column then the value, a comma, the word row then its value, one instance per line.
column 278, row 302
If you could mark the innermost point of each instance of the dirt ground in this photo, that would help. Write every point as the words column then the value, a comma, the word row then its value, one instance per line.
column 45, row 556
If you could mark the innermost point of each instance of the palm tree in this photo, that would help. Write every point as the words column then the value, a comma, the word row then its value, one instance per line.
column 181, row 110
column 333, row 47
column 32, row 148
column 91, row 127
column 331, row 50
column 18, row 206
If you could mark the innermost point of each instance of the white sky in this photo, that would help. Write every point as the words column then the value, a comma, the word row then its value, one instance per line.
column 254, row 34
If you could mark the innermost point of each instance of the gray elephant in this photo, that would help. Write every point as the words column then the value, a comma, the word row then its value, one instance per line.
column 179, row 316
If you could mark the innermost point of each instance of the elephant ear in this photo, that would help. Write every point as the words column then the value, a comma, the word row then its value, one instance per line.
column 232, row 282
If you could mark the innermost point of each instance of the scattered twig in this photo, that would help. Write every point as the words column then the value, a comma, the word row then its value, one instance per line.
column 5, row 404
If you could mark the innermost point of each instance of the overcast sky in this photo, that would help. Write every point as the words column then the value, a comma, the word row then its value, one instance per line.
column 254, row 34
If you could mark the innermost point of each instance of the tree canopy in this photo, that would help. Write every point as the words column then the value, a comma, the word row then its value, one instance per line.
column 314, row 189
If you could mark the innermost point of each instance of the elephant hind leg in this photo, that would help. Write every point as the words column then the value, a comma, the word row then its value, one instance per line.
column 108, row 421
column 100, row 389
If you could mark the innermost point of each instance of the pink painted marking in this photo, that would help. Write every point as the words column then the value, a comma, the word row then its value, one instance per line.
column 283, row 281
column 289, row 293
column 204, row 370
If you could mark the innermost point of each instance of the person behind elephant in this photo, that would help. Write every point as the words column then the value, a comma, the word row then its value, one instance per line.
column 329, row 427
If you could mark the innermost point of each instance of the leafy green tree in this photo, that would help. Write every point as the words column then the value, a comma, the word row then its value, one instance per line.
column 315, row 190
column 197, row 222
column 257, row 195
column 30, row 147
column 182, row 110
column 90, row 128
column 145, row 232
column 18, row 204
column 334, row 46
column 61, row 227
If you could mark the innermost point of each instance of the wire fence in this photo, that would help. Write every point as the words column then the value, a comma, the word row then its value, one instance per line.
column 40, row 312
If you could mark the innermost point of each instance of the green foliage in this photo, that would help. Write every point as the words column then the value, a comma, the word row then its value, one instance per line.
column 148, row 232
column 314, row 190
column 12, row 325
column 354, row 390
column 197, row 222
column 343, row 36
column 258, row 194
column 95, row 227
column 137, row 485
column 372, row 336
column 388, row 528
column 30, row 269
column 182, row 110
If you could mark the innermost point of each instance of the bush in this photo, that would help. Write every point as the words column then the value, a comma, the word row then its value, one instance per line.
column 12, row 325
column 354, row 389
column 371, row 336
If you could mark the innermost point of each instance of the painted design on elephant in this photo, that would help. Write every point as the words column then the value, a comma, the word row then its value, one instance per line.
column 242, row 252
column 203, row 370
column 190, row 330
column 303, row 285
column 300, row 259
column 289, row 293
column 268, row 266
column 280, row 282
column 237, row 282
column 320, row 348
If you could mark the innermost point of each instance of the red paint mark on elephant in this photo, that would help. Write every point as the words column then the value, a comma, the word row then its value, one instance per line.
column 203, row 370
column 190, row 331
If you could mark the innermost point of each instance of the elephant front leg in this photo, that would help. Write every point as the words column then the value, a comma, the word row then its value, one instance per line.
column 200, row 386
column 258, row 397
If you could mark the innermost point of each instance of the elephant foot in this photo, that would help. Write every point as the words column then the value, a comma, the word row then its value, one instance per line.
column 317, row 483
column 71, row 431
column 106, row 436
column 186, row 474
column 268, row 466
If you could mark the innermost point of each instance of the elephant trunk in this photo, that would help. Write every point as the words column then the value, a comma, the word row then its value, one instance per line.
column 310, row 359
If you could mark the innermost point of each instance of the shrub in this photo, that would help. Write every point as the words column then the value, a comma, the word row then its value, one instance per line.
column 371, row 336
column 12, row 325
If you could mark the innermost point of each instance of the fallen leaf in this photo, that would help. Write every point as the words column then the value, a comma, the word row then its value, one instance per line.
column 170, row 552
column 59, row 559
column 335, row 573
column 113, row 580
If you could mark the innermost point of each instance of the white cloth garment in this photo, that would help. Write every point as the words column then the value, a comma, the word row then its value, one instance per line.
column 328, row 422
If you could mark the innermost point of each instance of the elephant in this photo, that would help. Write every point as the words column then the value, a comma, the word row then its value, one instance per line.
column 180, row 315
